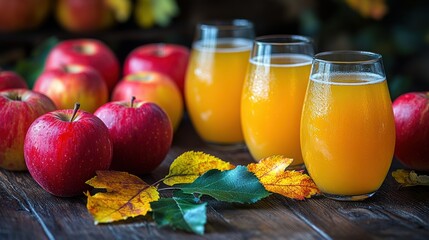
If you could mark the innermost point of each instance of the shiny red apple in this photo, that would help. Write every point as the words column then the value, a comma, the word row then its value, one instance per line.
column 411, row 111
column 89, row 52
column 18, row 15
column 170, row 59
column 84, row 15
column 64, row 148
column 18, row 109
column 152, row 87
column 10, row 79
column 141, row 133
column 73, row 83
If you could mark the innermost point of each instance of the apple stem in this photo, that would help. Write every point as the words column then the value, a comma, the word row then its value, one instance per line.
column 160, row 50
column 132, row 101
column 18, row 98
column 76, row 108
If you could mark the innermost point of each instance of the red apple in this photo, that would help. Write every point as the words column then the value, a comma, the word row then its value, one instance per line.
column 89, row 52
column 9, row 79
column 64, row 148
column 153, row 87
column 411, row 112
column 23, row 14
column 73, row 83
column 84, row 15
column 170, row 59
column 18, row 109
column 141, row 134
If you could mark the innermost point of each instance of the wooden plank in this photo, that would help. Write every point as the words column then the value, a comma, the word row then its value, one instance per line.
column 27, row 211
column 16, row 217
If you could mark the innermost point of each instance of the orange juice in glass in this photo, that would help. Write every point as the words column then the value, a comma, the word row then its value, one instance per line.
column 273, row 94
column 347, row 127
column 214, row 81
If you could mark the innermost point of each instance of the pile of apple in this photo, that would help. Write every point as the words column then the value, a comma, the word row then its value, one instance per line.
column 63, row 148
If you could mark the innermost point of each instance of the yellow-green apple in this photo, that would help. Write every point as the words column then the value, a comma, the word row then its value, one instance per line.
column 141, row 133
column 153, row 87
column 64, row 148
column 89, row 52
column 18, row 109
column 10, row 79
column 73, row 83
column 84, row 15
column 411, row 111
column 170, row 59
column 23, row 14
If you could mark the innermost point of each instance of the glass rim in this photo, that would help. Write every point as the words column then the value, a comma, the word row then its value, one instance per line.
column 294, row 39
column 233, row 24
column 371, row 57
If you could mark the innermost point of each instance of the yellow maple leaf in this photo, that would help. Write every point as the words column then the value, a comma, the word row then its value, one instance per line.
column 126, row 196
column 190, row 165
column 272, row 173
column 410, row 178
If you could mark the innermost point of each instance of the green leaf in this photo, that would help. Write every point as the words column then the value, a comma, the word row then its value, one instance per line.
column 182, row 211
column 237, row 185
column 30, row 68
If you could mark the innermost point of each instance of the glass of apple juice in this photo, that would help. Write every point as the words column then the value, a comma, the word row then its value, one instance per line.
column 273, row 94
column 214, row 80
column 347, row 125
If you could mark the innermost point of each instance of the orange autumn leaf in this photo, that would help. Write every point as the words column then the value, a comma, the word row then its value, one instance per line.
column 375, row 9
column 272, row 174
column 126, row 196
column 190, row 165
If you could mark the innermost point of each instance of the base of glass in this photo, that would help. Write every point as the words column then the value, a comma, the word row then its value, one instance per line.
column 348, row 197
column 297, row 167
column 241, row 146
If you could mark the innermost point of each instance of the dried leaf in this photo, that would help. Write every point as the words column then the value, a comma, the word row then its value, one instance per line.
column 190, row 165
column 126, row 196
column 182, row 211
column 272, row 174
column 237, row 185
column 410, row 178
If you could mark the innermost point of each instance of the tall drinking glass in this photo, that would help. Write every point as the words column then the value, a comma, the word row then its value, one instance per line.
column 273, row 94
column 347, row 126
column 214, row 80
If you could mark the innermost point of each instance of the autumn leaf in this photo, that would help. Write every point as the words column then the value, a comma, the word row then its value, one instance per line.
column 236, row 185
column 126, row 196
column 272, row 173
column 182, row 211
column 375, row 9
column 410, row 178
column 190, row 165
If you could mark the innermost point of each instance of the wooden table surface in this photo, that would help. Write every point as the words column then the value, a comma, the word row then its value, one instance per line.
column 28, row 212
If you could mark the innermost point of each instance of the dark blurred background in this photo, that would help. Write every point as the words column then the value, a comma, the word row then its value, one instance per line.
column 399, row 30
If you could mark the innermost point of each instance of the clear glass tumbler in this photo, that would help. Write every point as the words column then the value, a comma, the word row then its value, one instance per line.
column 214, row 81
column 273, row 94
column 347, row 125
